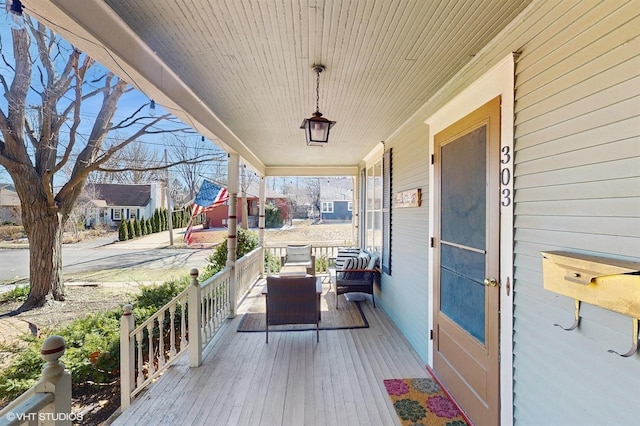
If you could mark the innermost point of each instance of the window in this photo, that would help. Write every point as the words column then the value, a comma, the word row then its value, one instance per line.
column 116, row 214
column 350, row 206
column 385, row 260
column 327, row 207
column 373, row 208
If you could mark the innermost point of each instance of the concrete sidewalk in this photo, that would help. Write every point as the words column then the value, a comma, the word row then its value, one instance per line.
column 151, row 241
column 12, row 327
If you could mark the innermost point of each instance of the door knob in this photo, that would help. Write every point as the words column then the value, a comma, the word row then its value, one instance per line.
column 490, row 282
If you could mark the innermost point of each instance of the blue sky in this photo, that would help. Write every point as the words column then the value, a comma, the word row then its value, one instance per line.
column 130, row 102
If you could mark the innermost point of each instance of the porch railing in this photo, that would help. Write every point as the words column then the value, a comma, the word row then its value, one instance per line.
column 49, row 401
column 186, row 323
column 324, row 255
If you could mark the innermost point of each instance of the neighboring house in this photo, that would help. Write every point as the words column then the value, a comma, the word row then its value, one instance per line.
column 217, row 217
column 114, row 202
column 336, row 199
column 10, row 210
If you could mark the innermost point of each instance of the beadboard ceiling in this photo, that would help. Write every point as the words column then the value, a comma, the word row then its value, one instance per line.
column 240, row 71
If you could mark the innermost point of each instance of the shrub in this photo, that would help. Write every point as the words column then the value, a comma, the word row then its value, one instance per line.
column 10, row 232
column 16, row 294
column 272, row 217
column 247, row 241
column 131, row 229
column 123, row 231
column 93, row 344
column 158, row 295
column 137, row 227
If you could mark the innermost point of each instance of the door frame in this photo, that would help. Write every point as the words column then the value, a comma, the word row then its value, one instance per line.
column 498, row 81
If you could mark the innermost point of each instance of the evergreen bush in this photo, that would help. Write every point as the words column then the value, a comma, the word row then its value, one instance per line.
column 272, row 216
column 131, row 229
column 137, row 227
column 123, row 231
column 247, row 241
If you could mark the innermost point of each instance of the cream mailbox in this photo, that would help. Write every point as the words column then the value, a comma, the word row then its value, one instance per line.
column 609, row 283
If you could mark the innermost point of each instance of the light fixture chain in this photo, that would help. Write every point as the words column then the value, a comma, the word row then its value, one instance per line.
column 317, row 91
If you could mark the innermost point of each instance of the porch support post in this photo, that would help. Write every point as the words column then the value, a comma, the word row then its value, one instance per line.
column 127, row 357
column 195, row 320
column 263, row 200
column 232, row 186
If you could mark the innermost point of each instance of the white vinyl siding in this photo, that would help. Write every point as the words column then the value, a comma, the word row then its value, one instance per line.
column 577, row 188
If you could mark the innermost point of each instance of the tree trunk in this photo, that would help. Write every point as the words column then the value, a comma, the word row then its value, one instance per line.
column 45, row 255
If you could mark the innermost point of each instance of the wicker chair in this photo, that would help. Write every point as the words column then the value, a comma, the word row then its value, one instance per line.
column 292, row 300
column 299, row 256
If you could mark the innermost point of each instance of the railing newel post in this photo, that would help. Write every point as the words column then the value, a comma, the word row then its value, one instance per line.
column 56, row 379
column 195, row 320
column 233, row 279
column 127, row 356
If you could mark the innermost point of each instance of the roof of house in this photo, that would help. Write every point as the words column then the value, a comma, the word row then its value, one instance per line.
column 336, row 189
column 123, row 195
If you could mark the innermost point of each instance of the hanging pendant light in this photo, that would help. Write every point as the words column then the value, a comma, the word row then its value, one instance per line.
column 317, row 127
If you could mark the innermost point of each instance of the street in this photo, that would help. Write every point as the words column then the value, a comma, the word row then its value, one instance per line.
column 104, row 256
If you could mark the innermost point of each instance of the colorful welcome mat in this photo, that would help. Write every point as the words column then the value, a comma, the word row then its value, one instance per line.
column 423, row 402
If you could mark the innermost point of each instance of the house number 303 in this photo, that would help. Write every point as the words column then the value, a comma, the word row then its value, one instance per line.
column 505, row 176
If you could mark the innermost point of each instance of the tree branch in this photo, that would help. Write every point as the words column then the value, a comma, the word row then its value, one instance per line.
column 164, row 167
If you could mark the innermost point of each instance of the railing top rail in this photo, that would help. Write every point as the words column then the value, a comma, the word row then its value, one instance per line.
column 224, row 271
column 247, row 256
column 34, row 404
column 181, row 295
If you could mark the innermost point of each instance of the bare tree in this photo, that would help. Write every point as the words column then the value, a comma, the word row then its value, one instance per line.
column 58, row 79
column 134, row 161
column 313, row 191
column 182, row 148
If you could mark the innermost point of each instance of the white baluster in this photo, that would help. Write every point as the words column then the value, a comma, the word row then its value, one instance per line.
column 161, row 360
column 151, row 368
column 183, row 323
column 206, row 314
column 172, row 330
column 140, row 373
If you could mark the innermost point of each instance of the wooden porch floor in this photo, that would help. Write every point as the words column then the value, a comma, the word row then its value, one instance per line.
column 291, row 381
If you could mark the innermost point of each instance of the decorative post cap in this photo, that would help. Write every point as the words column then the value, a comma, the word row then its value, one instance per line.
column 194, row 273
column 53, row 348
column 126, row 309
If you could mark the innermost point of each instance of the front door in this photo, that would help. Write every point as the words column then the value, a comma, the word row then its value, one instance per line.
column 466, row 262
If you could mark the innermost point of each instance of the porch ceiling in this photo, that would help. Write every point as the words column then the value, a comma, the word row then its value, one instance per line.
column 240, row 71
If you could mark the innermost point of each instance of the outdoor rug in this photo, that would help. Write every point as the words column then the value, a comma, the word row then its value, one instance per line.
column 348, row 315
column 424, row 402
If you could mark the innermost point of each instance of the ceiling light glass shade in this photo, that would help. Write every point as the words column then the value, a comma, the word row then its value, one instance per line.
column 317, row 129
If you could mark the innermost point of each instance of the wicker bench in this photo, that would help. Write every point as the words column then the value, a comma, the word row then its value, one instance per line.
column 355, row 272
